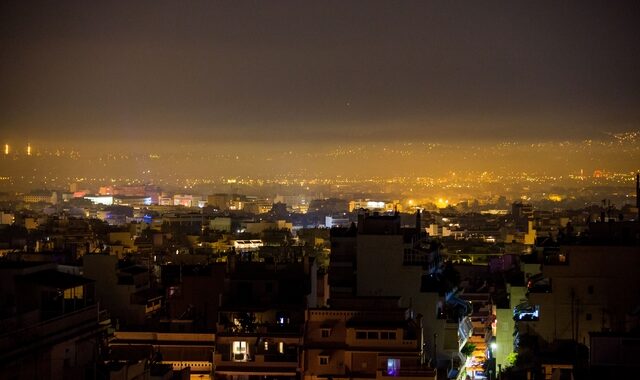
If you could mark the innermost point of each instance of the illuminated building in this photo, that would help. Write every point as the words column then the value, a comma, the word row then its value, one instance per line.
column 504, row 325
column 438, row 230
column 262, row 316
column 44, row 196
column 371, row 258
column 255, row 205
column 6, row 218
column 247, row 245
column 165, row 200
column 295, row 203
column 101, row 200
column 132, row 200
column 224, row 202
column 336, row 221
column 364, row 337
column 183, row 200
column 382, row 206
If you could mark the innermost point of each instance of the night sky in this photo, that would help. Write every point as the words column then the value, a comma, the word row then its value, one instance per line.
column 284, row 71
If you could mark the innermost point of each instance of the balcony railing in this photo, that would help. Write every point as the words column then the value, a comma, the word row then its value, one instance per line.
column 280, row 358
column 49, row 330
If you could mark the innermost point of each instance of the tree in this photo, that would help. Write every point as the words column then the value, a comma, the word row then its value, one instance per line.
column 246, row 322
column 511, row 360
column 468, row 349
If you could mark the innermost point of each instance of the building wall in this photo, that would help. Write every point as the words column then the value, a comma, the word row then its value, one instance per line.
column 342, row 266
column 335, row 364
column 593, row 292
column 504, row 335
column 123, row 238
column 114, row 297
column 221, row 224
column 381, row 272
column 6, row 218
column 364, row 362
column 338, row 353
column 380, row 267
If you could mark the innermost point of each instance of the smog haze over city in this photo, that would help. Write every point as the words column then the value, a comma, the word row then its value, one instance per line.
column 410, row 98
column 319, row 190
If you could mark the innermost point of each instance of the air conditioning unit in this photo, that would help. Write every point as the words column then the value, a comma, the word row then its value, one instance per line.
column 240, row 357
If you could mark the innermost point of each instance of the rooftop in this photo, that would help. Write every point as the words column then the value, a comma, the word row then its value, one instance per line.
column 55, row 279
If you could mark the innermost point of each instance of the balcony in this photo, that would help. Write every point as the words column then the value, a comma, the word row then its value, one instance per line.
column 257, row 364
column 270, row 329
column 278, row 358
column 76, row 323
column 526, row 312
column 539, row 284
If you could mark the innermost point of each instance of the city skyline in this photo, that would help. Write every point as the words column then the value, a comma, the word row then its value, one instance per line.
column 337, row 189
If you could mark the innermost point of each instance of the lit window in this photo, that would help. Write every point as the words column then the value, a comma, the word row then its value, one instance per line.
column 393, row 367
column 524, row 312
column 281, row 347
column 239, row 351
column 71, row 293
column 266, row 345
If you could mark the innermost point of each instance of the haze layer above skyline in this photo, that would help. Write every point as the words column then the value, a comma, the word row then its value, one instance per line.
column 288, row 71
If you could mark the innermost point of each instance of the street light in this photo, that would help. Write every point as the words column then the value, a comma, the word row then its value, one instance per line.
column 493, row 346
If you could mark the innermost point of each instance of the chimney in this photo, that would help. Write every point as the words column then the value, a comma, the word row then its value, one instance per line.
column 418, row 221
